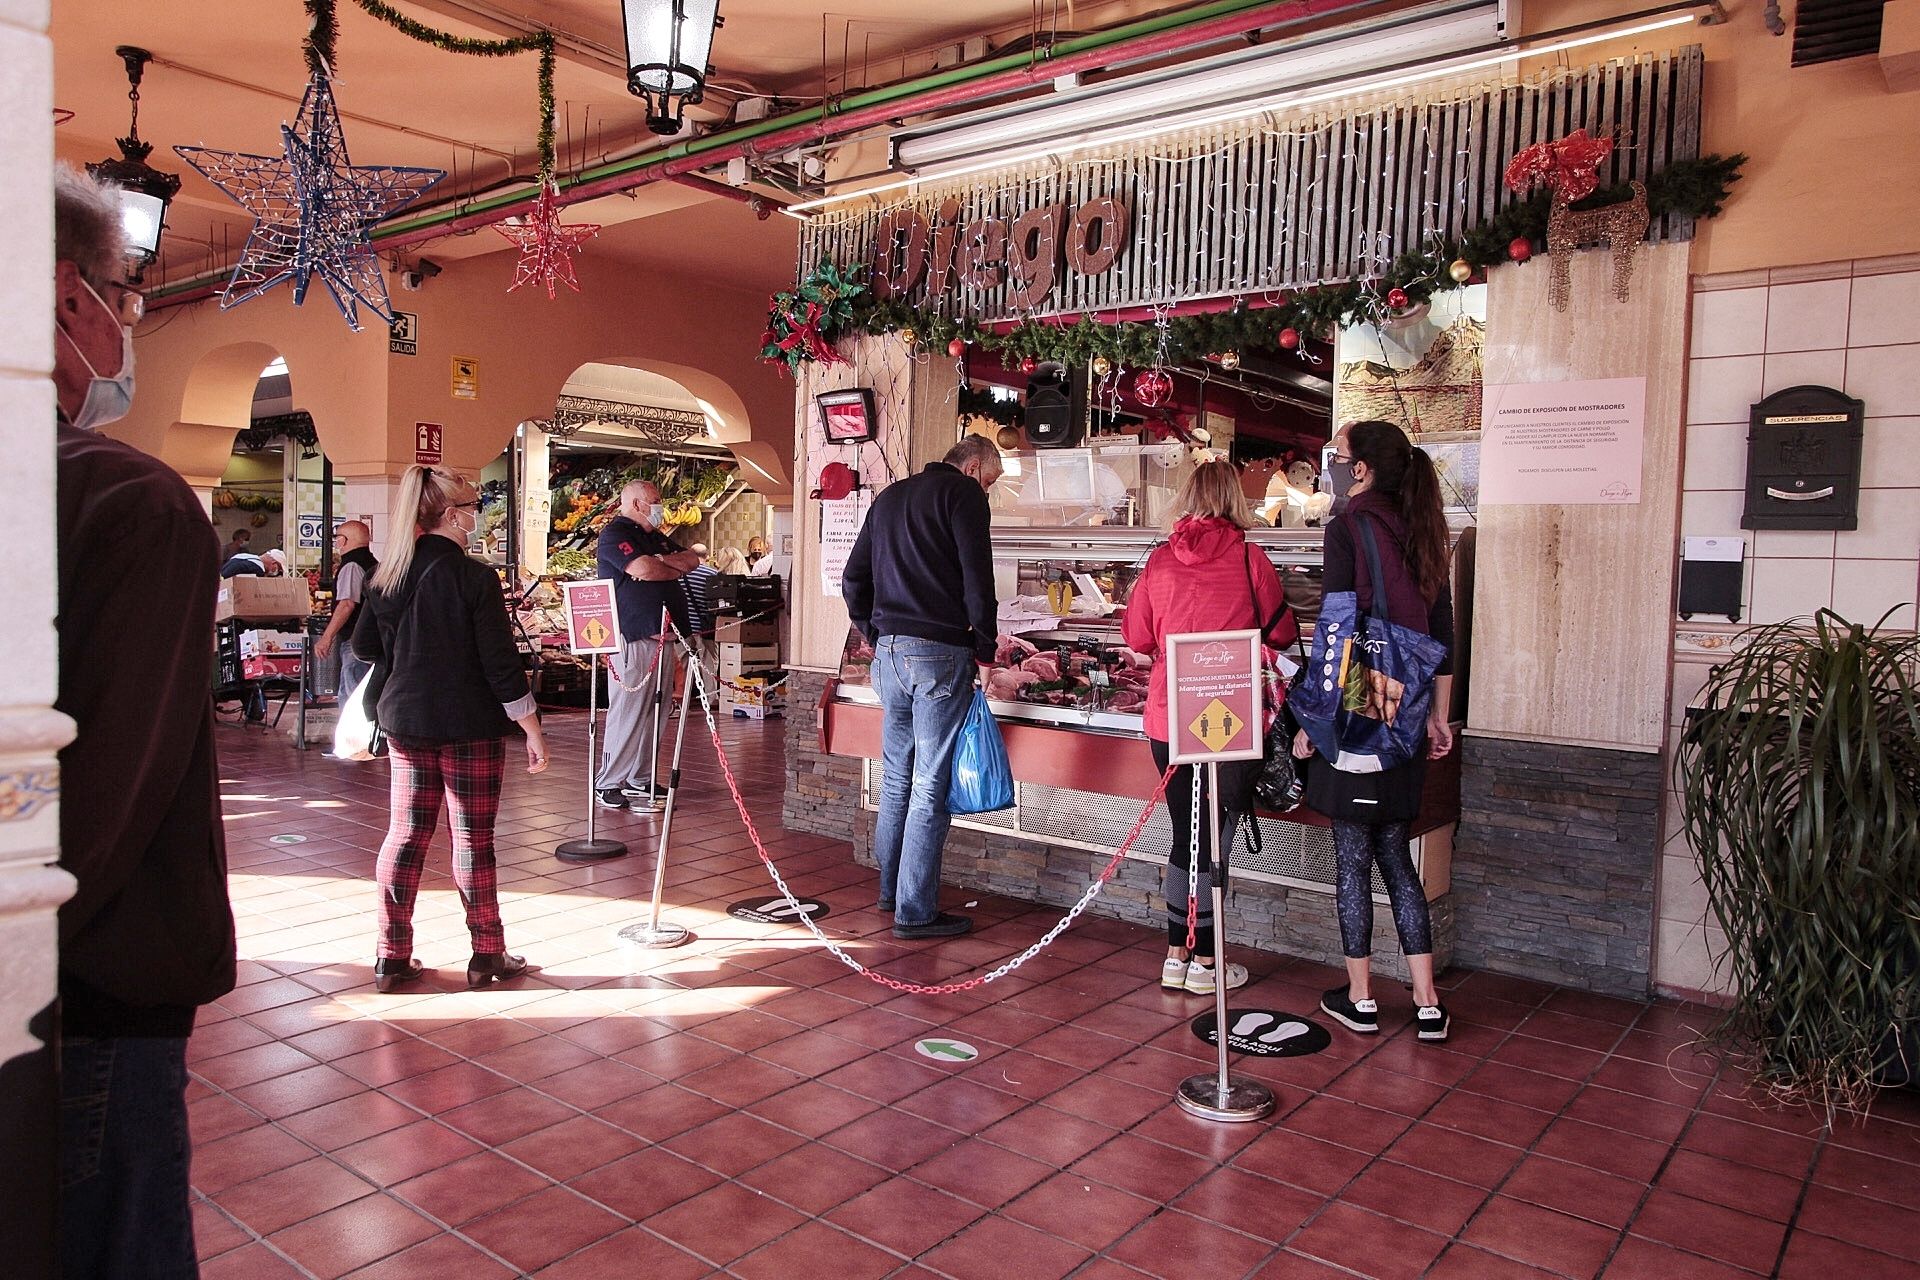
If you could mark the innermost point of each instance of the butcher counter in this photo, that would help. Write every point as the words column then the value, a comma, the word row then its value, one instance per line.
column 1072, row 726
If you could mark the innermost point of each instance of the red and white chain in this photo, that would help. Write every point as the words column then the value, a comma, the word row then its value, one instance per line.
column 806, row 918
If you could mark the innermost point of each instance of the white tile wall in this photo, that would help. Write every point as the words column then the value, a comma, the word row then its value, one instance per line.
column 1808, row 317
column 1854, row 326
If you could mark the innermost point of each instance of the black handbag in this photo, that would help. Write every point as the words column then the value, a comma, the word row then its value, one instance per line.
column 1278, row 785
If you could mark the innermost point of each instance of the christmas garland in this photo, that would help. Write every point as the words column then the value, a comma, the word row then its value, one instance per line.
column 803, row 322
column 1690, row 188
column 538, row 41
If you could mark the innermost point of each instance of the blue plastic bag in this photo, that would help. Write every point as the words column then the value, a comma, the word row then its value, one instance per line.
column 982, row 778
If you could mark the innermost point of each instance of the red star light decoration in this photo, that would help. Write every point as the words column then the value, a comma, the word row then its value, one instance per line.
column 547, row 245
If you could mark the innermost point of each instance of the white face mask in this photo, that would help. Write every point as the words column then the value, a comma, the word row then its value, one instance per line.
column 657, row 515
column 108, row 399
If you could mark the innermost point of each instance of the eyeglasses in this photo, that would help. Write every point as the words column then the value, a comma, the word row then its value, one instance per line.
column 129, row 303
column 468, row 506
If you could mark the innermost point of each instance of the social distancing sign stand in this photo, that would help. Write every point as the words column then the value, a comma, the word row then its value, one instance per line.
column 1214, row 715
column 593, row 628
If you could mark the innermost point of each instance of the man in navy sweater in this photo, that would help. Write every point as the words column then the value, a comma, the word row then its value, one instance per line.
column 919, row 586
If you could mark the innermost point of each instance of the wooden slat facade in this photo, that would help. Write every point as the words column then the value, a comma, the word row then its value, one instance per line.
column 1262, row 207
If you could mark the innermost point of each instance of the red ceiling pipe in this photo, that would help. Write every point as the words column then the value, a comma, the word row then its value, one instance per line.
column 1042, row 71
column 762, row 206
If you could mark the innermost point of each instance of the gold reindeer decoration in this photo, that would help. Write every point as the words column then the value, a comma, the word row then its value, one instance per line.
column 1570, row 168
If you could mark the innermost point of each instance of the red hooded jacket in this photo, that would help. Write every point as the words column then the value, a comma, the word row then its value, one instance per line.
column 1198, row 581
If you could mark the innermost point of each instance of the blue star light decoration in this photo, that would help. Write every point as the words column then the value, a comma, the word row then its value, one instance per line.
column 311, row 210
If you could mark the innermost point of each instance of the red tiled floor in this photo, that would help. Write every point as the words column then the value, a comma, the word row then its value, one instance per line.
column 1369, row 1244
column 745, row 1103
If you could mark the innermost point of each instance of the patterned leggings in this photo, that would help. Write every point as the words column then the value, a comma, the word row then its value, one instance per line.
column 468, row 774
column 1356, row 846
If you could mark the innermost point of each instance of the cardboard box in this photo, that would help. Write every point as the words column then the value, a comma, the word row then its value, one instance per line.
column 260, row 597
column 758, row 631
column 754, row 697
column 737, row 660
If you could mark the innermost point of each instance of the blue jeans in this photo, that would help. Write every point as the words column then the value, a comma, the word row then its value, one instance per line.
column 352, row 672
column 924, row 686
column 123, row 1160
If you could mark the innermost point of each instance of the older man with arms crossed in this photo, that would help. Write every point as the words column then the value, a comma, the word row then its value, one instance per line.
column 148, row 934
column 646, row 567
column 919, row 585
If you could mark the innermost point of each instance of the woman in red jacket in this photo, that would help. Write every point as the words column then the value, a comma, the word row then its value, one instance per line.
column 1206, row 577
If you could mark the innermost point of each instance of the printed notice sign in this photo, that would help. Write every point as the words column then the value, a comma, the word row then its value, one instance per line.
column 1548, row 443
column 840, row 522
column 466, row 378
column 1213, row 696
column 593, row 626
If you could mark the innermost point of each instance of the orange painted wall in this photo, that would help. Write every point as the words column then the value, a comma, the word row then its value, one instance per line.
column 703, row 337
column 1833, row 154
column 197, row 364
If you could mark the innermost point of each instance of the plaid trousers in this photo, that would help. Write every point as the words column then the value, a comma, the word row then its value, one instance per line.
column 468, row 774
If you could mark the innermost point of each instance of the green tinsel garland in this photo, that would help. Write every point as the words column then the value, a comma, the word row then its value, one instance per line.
column 1692, row 188
column 326, row 33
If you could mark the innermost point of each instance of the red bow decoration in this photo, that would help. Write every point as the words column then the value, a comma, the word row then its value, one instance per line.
column 807, row 336
column 1569, row 166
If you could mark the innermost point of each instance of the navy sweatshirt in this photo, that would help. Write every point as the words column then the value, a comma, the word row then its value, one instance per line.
column 923, row 563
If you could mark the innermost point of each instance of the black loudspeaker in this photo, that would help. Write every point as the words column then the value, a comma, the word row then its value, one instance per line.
column 1056, row 406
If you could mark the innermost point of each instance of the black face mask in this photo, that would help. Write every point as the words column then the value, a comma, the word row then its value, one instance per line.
column 1337, row 479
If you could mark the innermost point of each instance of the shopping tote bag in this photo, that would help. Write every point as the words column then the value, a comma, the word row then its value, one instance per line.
column 982, row 778
column 1369, row 685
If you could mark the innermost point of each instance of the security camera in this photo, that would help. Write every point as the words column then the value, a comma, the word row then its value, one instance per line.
column 421, row 272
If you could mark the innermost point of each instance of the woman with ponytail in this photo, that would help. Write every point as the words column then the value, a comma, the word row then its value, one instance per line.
column 1391, row 485
column 449, row 687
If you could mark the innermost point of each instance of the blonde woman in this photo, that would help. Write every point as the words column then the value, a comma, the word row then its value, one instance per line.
column 1206, row 577
column 450, row 687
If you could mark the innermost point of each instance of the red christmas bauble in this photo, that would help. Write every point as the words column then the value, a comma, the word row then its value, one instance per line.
column 1028, row 364
column 1289, row 339
column 1521, row 249
column 1396, row 298
column 957, row 348
column 1153, row 388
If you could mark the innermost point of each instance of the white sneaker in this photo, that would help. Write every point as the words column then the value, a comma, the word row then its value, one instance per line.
column 1173, row 974
column 1200, row 978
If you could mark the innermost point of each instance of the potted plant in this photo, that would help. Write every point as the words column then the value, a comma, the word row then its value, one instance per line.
column 1799, row 781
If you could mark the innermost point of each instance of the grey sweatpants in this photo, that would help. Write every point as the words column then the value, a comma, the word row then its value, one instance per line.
column 624, row 748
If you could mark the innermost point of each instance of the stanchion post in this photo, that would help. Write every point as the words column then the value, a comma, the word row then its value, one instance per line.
column 1219, row 1096
column 592, row 849
column 653, row 933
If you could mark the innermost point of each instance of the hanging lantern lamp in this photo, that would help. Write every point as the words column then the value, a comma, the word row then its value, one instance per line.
column 668, row 44
column 145, row 192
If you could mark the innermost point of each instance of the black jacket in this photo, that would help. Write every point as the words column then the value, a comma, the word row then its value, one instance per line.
column 443, row 649
column 148, row 934
column 923, row 563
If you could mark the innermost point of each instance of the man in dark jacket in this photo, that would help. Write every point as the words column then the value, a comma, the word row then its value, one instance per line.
column 919, row 586
column 148, row 934
column 646, row 567
column 356, row 567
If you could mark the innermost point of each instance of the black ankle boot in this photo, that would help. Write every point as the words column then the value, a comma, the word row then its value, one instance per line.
column 388, row 972
column 493, row 966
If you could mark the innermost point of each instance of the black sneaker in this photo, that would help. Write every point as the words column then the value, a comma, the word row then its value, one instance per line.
column 1432, row 1021
column 944, row 925
column 643, row 791
column 1362, row 1016
column 611, row 798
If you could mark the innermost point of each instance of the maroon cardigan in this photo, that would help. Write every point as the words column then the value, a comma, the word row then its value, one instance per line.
column 1346, row 570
